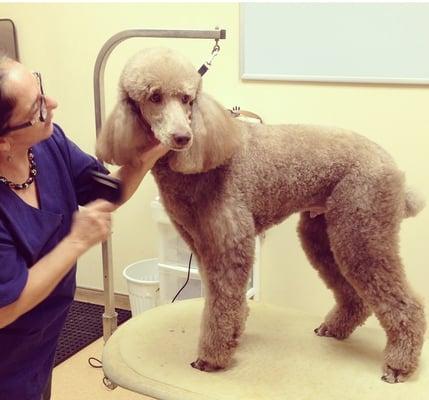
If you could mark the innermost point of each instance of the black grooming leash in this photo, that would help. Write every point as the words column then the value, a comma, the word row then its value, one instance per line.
column 205, row 67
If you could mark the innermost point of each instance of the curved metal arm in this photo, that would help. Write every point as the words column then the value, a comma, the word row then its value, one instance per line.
column 110, row 316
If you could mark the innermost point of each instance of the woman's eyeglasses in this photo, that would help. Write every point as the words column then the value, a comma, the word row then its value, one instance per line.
column 43, row 111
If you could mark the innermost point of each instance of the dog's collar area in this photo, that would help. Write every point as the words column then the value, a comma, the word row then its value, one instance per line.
column 133, row 104
column 144, row 123
column 136, row 109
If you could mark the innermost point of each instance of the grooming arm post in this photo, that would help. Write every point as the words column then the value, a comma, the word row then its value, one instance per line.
column 110, row 315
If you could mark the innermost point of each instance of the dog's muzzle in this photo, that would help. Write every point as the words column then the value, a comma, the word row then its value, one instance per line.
column 181, row 139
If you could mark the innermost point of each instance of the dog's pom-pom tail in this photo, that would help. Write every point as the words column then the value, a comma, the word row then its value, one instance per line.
column 414, row 202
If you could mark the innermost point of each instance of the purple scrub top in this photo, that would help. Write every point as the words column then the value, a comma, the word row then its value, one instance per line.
column 27, row 346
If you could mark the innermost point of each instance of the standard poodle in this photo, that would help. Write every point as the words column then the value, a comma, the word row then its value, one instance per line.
column 226, row 181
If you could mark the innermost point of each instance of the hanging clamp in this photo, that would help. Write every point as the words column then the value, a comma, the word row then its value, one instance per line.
column 215, row 51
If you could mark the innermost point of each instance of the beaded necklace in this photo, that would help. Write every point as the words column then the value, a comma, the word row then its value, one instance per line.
column 30, row 179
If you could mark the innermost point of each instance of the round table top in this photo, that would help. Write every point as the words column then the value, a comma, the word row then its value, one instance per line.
column 279, row 357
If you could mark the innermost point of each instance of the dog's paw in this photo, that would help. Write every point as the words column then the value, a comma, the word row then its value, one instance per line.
column 392, row 375
column 323, row 330
column 204, row 365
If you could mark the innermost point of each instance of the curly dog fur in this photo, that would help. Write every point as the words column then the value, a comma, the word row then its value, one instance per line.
column 226, row 181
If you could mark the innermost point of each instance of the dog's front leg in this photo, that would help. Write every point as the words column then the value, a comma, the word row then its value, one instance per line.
column 225, row 274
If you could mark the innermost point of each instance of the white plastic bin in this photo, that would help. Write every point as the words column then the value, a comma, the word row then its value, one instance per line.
column 143, row 285
column 173, row 277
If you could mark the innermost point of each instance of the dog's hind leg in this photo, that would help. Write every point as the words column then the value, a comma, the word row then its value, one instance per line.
column 225, row 273
column 350, row 310
column 363, row 218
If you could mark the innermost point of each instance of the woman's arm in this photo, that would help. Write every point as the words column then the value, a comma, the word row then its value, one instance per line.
column 91, row 225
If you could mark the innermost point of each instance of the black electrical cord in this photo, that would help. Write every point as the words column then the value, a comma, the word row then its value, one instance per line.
column 187, row 279
column 95, row 362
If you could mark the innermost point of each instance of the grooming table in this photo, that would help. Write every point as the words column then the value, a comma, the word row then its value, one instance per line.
column 279, row 358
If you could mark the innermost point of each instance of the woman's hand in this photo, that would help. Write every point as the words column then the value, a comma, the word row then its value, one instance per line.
column 152, row 155
column 91, row 224
column 131, row 175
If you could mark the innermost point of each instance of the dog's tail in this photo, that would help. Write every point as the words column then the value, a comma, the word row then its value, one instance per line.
column 414, row 202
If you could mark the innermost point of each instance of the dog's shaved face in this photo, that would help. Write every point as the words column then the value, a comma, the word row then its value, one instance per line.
column 162, row 84
column 169, row 115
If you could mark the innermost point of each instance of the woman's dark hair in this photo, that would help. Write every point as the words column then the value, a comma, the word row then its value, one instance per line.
column 7, row 103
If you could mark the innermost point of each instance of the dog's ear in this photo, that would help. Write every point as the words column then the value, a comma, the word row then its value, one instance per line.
column 123, row 136
column 216, row 136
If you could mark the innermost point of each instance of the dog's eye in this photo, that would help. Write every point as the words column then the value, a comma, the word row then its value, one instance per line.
column 156, row 98
column 185, row 98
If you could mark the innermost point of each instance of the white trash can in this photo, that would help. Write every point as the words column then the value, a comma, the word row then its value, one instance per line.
column 143, row 285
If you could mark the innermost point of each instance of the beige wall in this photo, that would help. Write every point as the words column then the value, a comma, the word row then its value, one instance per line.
column 63, row 41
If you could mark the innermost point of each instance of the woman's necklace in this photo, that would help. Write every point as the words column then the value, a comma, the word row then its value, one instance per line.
column 30, row 179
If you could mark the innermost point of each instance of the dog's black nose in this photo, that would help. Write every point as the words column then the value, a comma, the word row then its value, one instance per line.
column 181, row 139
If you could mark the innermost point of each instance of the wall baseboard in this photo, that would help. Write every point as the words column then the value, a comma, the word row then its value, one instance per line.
column 96, row 296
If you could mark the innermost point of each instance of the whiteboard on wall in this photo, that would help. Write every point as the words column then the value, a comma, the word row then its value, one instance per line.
column 335, row 42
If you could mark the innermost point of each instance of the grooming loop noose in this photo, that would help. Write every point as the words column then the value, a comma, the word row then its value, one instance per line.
column 215, row 51
column 110, row 316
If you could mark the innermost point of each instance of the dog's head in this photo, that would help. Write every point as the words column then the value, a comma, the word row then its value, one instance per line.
column 160, row 100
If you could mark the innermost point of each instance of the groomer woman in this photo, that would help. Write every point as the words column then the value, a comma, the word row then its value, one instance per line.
column 43, row 179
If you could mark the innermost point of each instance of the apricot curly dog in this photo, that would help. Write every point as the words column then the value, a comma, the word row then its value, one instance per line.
column 226, row 181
